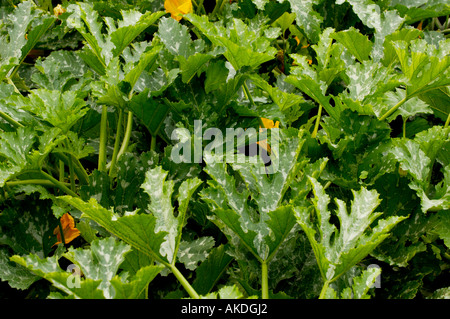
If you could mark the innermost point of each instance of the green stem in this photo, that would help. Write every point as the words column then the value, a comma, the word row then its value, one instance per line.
column 247, row 93
column 200, row 7
column 323, row 292
column 72, row 174
column 316, row 126
column 404, row 126
column 218, row 7
column 126, row 138
column 153, row 143
column 265, row 280
column 103, row 139
column 61, row 231
column 61, row 171
column 447, row 122
column 116, row 143
column 42, row 182
column 79, row 169
column 8, row 79
column 57, row 183
column 186, row 285
column 10, row 120
column 394, row 108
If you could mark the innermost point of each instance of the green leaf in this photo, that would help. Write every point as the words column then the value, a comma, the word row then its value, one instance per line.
column 307, row 18
column 306, row 79
column 15, row 147
column 193, row 65
column 256, row 50
column 264, row 236
column 356, row 43
column 138, row 230
column 132, row 25
column 443, row 228
column 176, row 38
column 412, row 159
column 134, row 288
column 282, row 99
column 361, row 284
column 384, row 22
column 101, row 262
column 16, row 275
column 49, row 269
column 439, row 101
column 160, row 192
column 61, row 70
column 410, row 108
column 211, row 270
column 336, row 250
column 193, row 252
column 216, row 75
column 61, row 110
column 83, row 14
column 425, row 67
column 17, row 23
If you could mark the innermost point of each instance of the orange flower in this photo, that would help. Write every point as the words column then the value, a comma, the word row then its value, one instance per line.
column 178, row 7
column 268, row 124
column 58, row 10
column 69, row 230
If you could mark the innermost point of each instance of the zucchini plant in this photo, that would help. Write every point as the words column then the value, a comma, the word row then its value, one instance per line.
column 168, row 149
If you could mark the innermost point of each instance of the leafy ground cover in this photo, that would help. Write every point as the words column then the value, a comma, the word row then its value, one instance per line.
column 338, row 185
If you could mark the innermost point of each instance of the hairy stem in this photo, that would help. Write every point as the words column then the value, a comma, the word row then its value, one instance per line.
column 447, row 122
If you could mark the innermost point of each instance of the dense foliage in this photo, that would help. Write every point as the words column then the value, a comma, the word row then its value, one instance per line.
column 97, row 96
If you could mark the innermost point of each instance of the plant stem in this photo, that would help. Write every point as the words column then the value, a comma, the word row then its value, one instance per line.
column 79, row 169
column 323, row 292
column 61, row 231
column 219, row 5
column 72, row 174
column 265, row 280
column 404, row 126
column 116, row 144
column 153, row 143
column 57, row 183
column 12, row 83
column 61, row 171
column 103, row 139
column 186, row 285
column 247, row 93
column 316, row 126
column 447, row 122
column 126, row 138
column 42, row 182
column 394, row 108
column 10, row 120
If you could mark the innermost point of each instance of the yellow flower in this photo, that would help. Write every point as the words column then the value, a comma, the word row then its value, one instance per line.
column 178, row 7
column 69, row 230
